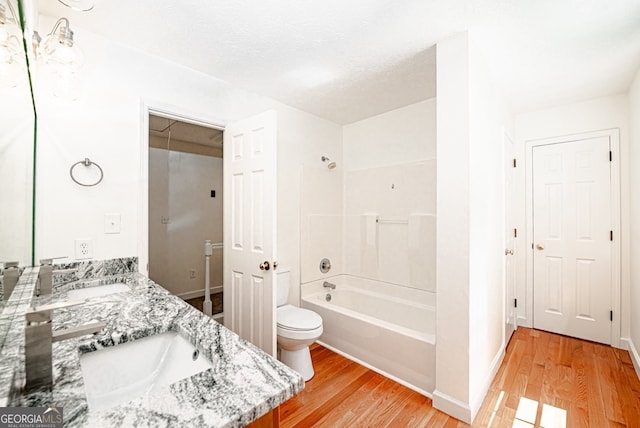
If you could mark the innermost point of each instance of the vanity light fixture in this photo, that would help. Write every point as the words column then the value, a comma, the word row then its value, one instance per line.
column 58, row 49
column 10, row 47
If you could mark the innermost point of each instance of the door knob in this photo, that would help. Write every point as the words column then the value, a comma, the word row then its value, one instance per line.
column 508, row 252
column 540, row 247
column 265, row 265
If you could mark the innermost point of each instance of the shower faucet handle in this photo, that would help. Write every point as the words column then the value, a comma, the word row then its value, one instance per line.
column 325, row 265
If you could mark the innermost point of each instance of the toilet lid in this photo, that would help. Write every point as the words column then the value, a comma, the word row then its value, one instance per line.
column 293, row 318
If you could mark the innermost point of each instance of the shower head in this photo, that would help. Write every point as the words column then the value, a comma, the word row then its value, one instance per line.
column 331, row 165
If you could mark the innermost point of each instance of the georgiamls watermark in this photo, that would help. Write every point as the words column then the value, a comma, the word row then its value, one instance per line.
column 31, row 417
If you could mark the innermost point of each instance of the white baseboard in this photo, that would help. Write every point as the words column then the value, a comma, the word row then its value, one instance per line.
column 198, row 293
column 452, row 406
column 524, row 322
column 491, row 374
column 635, row 357
column 625, row 343
column 463, row 411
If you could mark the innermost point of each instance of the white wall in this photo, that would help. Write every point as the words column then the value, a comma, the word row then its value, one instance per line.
column 407, row 134
column 472, row 117
column 490, row 118
column 180, row 187
column 453, row 210
column 105, row 124
column 593, row 115
column 634, row 220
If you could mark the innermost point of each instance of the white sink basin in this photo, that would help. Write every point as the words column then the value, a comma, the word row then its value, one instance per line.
column 98, row 291
column 120, row 373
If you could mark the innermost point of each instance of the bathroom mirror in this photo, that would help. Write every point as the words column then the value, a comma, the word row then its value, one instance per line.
column 17, row 120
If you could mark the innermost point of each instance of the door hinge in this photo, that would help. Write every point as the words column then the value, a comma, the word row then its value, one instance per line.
column 611, row 235
column 515, row 233
column 515, row 163
column 610, row 156
column 610, row 315
column 515, row 303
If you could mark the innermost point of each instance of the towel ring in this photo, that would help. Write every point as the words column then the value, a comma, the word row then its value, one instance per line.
column 86, row 162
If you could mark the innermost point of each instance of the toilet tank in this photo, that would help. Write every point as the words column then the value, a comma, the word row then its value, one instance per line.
column 283, row 280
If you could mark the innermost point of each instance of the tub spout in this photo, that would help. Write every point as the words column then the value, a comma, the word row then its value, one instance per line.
column 327, row 284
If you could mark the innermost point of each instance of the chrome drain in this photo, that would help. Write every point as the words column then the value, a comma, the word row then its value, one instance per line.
column 195, row 354
column 328, row 297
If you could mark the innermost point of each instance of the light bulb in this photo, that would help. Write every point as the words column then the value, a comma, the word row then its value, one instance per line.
column 60, row 52
column 10, row 64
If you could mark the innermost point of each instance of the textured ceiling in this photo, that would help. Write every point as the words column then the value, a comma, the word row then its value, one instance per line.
column 348, row 60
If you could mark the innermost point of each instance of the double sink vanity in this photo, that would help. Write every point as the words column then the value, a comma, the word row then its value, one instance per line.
column 153, row 361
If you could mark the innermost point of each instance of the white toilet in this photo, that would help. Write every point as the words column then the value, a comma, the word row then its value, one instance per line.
column 297, row 329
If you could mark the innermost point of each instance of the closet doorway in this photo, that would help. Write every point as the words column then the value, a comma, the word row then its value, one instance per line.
column 185, row 208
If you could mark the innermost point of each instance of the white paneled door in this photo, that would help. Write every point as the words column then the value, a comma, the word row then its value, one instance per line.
column 572, row 244
column 250, row 229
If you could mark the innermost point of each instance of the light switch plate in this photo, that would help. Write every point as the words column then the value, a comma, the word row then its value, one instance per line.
column 112, row 223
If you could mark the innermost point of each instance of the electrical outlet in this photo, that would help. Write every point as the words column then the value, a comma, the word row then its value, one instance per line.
column 192, row 273
column 84, row 249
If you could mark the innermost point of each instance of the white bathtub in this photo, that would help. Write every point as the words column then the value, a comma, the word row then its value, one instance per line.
column 388, row 328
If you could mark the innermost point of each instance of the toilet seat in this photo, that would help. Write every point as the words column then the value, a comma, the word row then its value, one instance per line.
column 294, row 318
column 298, row 323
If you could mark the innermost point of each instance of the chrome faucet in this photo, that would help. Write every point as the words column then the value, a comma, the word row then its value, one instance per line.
column 39, row 338
column 45, row 276
column 9, row 279
column 327, row 284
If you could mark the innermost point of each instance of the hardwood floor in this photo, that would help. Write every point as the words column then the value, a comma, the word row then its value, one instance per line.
column 584, row 384
column 545, row 380
column 345, row 394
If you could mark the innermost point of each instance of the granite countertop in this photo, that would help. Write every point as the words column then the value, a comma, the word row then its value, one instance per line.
column 244, row 384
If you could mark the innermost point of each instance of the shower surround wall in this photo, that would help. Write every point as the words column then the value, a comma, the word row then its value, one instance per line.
column 374, row 218
column 339, row 207
column 390, row 224
column 390, row 196
column 321, row 229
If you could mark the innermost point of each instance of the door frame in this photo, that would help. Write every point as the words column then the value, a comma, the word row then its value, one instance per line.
column 507, row 140
column 168, row 111
column 616, row 272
